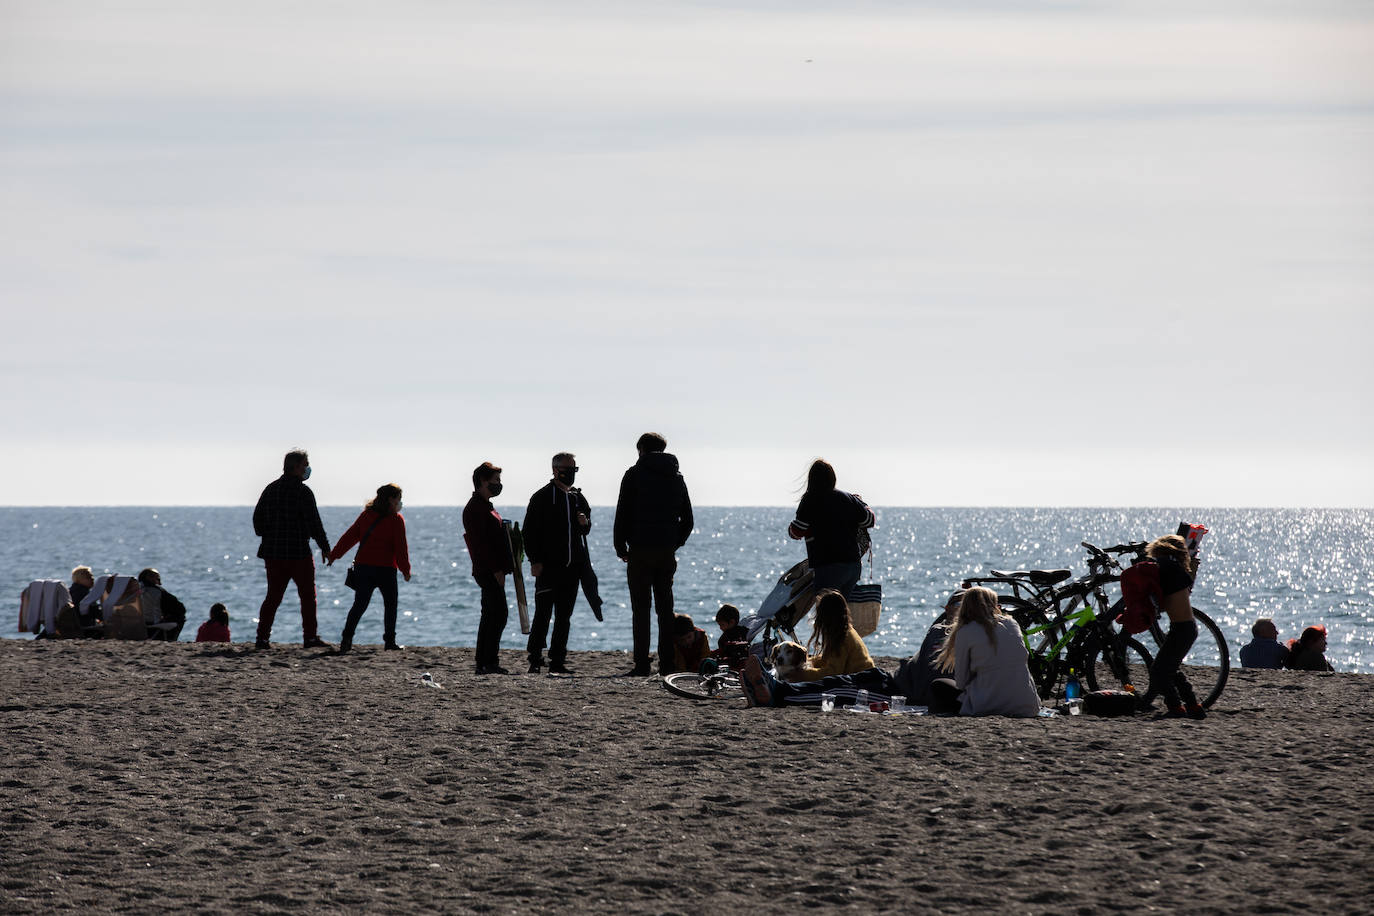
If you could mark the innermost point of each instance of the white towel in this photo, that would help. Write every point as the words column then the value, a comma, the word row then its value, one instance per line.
column 39, row 604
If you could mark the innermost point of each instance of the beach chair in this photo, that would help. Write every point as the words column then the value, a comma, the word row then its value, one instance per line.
column 121, row 606
column 39, row 604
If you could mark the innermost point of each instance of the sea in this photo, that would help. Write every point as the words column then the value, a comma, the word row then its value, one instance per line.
column 1298, row 566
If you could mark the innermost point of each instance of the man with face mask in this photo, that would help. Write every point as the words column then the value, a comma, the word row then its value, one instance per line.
column 557, row 520
column 489, row 549
column 287, row 519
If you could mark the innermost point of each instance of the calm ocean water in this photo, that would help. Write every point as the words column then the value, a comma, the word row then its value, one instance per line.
column 1297, row 566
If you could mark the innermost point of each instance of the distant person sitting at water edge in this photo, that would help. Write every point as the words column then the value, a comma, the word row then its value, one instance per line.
column 984, row 649
column 216, row 629
column 653, row 519
column 380, row 533
column 162, row 611
column 1308, row 652
column 830, row 521
column 287, row 519
column 489, row 550
column 83, row 580
column 1265, row 650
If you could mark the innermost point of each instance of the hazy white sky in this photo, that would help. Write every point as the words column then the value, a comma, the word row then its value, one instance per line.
column 1114, row 254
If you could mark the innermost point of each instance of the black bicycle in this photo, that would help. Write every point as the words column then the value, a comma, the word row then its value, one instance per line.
column 1071, row 629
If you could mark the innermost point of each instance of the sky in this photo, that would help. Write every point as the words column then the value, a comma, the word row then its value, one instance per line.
column 973, row 253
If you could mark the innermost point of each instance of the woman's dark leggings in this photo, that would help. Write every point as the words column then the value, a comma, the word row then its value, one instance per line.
column 383, row 579
column 1166, row 678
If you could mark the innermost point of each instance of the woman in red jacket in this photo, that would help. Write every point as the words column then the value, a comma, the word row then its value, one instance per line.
column 380, row 533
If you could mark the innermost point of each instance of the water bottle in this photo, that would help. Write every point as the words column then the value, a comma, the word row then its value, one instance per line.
column 1072, row 689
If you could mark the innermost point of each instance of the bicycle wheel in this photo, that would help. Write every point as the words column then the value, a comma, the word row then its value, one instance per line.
column 1207, row 666
column 1131, row 666
column 723, row 685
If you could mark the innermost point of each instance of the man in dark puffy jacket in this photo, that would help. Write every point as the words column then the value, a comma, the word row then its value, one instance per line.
column 653, row 518
column 556, row 524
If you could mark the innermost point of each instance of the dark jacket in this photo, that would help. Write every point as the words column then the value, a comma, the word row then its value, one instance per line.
column 654, row 509
column 486, row 538
column 286, row 518
column 830, row 523
column 552, row 535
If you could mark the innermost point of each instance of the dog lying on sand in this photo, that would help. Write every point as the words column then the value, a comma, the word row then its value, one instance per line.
column 788, row 659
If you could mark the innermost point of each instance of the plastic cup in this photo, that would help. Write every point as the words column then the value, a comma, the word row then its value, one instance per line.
column 827, row 702
column 861, row 701
column 899, row 704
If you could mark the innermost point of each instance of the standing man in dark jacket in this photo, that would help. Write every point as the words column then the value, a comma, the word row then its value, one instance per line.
column 653, row 518
column 287, row 519
column 557, row 520
column 489, row 549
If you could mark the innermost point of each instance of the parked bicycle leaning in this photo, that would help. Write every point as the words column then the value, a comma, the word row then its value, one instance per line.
column 380, row 533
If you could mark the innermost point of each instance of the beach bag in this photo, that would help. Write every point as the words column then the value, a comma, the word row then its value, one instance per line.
column 350, row 577
column 1109, row 703
column 1141, row 593
column 865, row 607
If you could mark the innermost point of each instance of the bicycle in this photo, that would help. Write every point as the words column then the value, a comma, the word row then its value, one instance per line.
column 1072, row 628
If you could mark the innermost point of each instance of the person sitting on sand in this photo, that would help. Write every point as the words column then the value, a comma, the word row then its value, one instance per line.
column 1308, row 652
column 216, row 629
column 984, row 649
column 915, row 675
column 83, row 580
column 160, row 607
column 1265, row 650
column 839, row 649
column 690, row 644
column 732, row 646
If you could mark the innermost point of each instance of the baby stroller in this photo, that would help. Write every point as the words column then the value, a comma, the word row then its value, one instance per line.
column 774, row 622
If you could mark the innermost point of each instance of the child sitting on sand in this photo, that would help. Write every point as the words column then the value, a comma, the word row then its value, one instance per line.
column 690, row 644
column 732, row 646
column 216, row 629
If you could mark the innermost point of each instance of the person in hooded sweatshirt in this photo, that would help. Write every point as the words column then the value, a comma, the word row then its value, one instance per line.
column 653, row 518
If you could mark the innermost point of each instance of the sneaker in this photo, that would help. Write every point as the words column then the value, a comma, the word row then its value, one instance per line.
column 1195, row 711
column 636, row 671
column 263, row 644
column 559, row 668
column 393, row 647
column 492, row 669
column 756, row 692
column 344, row 646
column 315, row 642
column 534, row 668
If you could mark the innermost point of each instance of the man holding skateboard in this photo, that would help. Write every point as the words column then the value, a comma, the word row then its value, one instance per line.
column 489, row 549
column 557, row 520
column 653, row 518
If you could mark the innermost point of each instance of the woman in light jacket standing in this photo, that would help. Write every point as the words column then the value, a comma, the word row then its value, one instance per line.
column 380, row 532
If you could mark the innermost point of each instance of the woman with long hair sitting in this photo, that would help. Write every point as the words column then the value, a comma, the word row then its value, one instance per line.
column 380, row 532
column 987, row 655
column 841, row 665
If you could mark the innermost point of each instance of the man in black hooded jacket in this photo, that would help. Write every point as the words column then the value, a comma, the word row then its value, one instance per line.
column 653, row 518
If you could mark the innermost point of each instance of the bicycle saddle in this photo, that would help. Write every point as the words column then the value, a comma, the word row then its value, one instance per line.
column 1037, row 576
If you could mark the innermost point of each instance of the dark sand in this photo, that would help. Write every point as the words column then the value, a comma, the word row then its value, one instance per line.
column 142, row 777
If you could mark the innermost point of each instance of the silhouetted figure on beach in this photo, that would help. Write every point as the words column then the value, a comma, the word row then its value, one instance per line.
column 287, row 520
column 1265, row 650
column 489, row 550
column 216, row 629
column 831, row 522
column 653, row 518
column 162, row 611
column 1308, row 652
column 380, row 533
column 557, row 520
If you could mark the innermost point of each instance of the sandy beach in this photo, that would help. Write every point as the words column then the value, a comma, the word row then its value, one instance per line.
column 144, row 777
